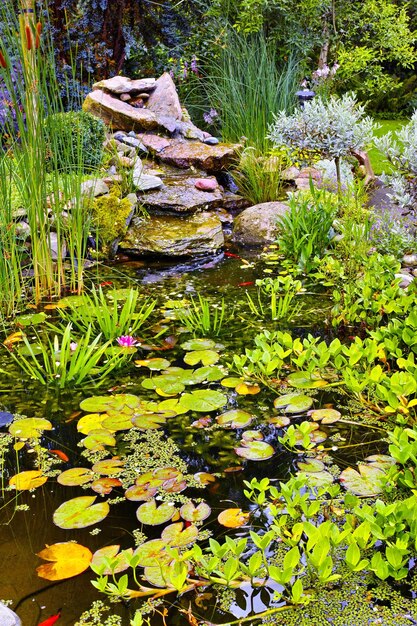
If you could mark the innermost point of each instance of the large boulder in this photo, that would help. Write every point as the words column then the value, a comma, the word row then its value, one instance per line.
column 174, row 236
column 122, row 84
column 164, row 101
column 119, row 115
column 257, row 225
column 185, row 154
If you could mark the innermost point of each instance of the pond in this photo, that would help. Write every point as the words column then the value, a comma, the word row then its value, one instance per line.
column 185, row 423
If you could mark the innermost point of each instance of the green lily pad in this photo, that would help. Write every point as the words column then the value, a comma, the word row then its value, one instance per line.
column 91, row 421
column 316, row 436
column 255, row 450
column 236, row 418
column 306, row 380
column 120, row 560
column 252, row 435
column 108, row 467
column 29, row 427
column 119, row 294
column 168, row 384
column 153, row 515
column 34, row 348
column 367, row 481
column 202, row 400
column 75, row 476
column 150, row 421
column 100, row 404
column 208, row 373
column 231, row 382
column 311, row 466
column 152, row 553
column 173, row 405
column 80, row 512
column 156, row 364
column 325, row 416
column 177, row 536
column 192, row 513
column 383, row 461
column 31, row 319
column 198, row 344
column 318, row 479
column 116, row 420
column 98, row 439
column 72, row 301
column 206, row 357
column 293, row 403
column 279, row 420
column 158, row 576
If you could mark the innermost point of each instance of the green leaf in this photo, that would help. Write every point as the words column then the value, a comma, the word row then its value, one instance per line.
column 80, row 512
column 368, row 481
column 206, row 357
column 255, row 450
column 293, row 403
column 100, row 404
column 177, row 536
column 31, row 319
column 153, row 515
column 192, row 513
column 202, row 400
column 152, row 553
column 305, row 380
column 236, row 418
column 325, row 416
column 75, row 476
column 198, row 344
column 29, row 427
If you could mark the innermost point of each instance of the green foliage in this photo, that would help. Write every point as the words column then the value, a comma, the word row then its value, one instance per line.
column 201, row 317
column 259, row 177
column 275, row 298
column 109, row 217
column 305, row 229
column 73, row 137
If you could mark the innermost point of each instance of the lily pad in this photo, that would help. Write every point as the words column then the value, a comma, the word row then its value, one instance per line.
column 89, row 422
column 231, row 382
column 383, row 461
column 119, row 294
column 105, row 485
column 202, row 400
column 310, row 466
column 30, row 319
column 255, row 450
column 119, row 559
column 318, row 479
column 252, row 435
column 293, row 403
column 198, row 344
column 153, row 515
column 100, row 404
column 98, row 439
column 173, row 404
column 236, row 418
column 208, row 373
column 150, row 421
column 325, row 416
column 205, row 478
column 27, row 480
column 141, row 493
column 80, row 512
column 192, row 513
column 29, row 427
column 177, row 536
column 72, row 301
column 279, row 420
column 155, row 364
column 152, row 553
column 75, row 476
column 206, row 357
column 114, row 421
column 108, row 467
column 306, row 380
column 67, row 559
column 367, row 481
column 245, row 389
column 158, row 576
column 233, row 518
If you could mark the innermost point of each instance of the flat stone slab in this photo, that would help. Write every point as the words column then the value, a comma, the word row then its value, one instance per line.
column 122, row 84
column 257, row 225
column 185, row 154
column 119, row 115
column 174, row 236
column 180, row 195
column 8, row 617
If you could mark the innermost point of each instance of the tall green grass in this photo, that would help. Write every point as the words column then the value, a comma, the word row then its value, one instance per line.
column 247, row 87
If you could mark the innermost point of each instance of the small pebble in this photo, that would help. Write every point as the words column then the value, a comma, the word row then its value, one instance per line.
column 211, row 141
column 206, row 184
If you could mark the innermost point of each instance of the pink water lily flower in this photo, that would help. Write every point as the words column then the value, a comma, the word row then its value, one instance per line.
column 126, row 341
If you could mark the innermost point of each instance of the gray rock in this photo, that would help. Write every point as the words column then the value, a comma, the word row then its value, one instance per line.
column 125, row 97
column 120, row 135
column 174, row 236
column 8, row 617
column 94, row 187
column 185, row 154
column 257, row 225
column 188, row 130
column 134, row 142
column 410, row 260
column 145, row 182
column 55, row 248
column 181, row 196
column 122, row 84
column 405, row 279
column 211, row 141
column 164, row 101
column 290, row 173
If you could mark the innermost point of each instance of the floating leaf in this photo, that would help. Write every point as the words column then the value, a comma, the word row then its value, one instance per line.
column 100, row 404
column 153, row 515
column 311, row 465
column 152, row 553
column 178, row 536
column 306, row 380
column 75, row 476
column 149, row 421
column 231, row 382
column 204, row 478
column 206, row 357
column 325, row 416
column 120, row 562
column 68, row 559
column 6, row 418
column 139, row 493
column 255, row 450
column 233, row 518
column 173, row 405
column 236, row 418
column 158, row 576
column 104, row 486
column 192, row 513
column 155, row 364
column 98, row 439
column 318, row 479
column 29, row 427
column 119, row 294
column 31, row 319
column 198, row 344
column 28, row 480
column 89, row 422
column 202, row 400
column 383, row 461
column 293, row 403
column 208, row 373
column 80, row 512
column 244, row 389
column 279, row 420
column 115, row 421
column 108, row 467
column 72, row 301
column 252, row 435
column 367, row 481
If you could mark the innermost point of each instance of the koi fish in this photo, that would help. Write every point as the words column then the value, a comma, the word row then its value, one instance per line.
column 232, row 256
column 60, row 454
column 106, row 283
column 51, row 620
column 247, row 284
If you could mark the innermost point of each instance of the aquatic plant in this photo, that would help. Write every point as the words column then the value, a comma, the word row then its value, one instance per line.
column 201, row 317
column 126, row 341
column 275, row 298
column 259, row 176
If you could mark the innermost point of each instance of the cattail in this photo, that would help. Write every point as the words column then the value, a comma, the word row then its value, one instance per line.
column 28, row 38
column 38, row 35
column 3, row 62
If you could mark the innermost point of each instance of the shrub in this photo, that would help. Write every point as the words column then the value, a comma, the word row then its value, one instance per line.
column 73, row 139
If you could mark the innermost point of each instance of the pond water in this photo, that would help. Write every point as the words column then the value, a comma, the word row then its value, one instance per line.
column 204, row 448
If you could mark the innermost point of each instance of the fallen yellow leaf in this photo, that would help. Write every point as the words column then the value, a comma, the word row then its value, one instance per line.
column 68, row 559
